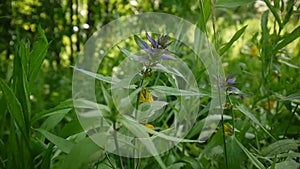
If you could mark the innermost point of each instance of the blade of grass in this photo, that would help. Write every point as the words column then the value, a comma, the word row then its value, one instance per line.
column 235, row 37
column 14, row 106
column 37, row 55
column 289, row 38
column 273, row 10
column 252, row 158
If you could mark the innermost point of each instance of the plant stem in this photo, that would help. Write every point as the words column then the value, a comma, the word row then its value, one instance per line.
column 117, row 145
column 224, row 141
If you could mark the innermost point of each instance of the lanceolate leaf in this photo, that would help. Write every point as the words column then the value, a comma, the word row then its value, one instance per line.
column 100, row 77
column 37, row 55
column 14, row 106
column 252, row 158
column 61, row 143
column 205, row 11
column 232, row 40
column 176, row 92
column 280, row 146
column 274, row 12
column 289, row 38
column 232, row 3
column 253, row 118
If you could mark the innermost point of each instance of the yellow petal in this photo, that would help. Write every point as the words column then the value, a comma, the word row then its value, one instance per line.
column 253, row 50
column 145, row 96
column 149, row 126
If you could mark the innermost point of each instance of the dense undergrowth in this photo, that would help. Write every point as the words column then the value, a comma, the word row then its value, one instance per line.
column 259, row 126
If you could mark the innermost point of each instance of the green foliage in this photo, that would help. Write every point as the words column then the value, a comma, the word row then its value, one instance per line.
column 260, row 124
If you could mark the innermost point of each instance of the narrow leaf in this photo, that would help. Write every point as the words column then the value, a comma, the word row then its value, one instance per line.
column 274, row 12
column 252, row 158
column 253, row 118
column 289, row 38
column 133, row 56
column 205, row 11
column 176, row 92
column 37, row 55
column 280, row 146
column 232, row 3
column 61, row 143
column 14, row 106
column 100, row 77
column 232, row 40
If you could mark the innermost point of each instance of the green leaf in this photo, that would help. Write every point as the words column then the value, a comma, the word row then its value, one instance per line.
column 253, row 118
column 191, row 161
column 54, row 119
column 289, row 38
column 71, row 128
column 232, row 3
column 61, row 143
column 20, row 85
column 37, row 55
column 279, row 147
column 14, row 106
column 289, row 9
column 177, row 165
column 274, row 12
column 205, row 11
column 288, row 64
column 175, row 92
column 288, row 164
column 100, row 77
column 132, row 56
column 195, row 129
column 80, row 154
column 234, row 153
column 139, row 131
column 50, row 112
column 294, row 97
column 235, row 37
column 252, row 158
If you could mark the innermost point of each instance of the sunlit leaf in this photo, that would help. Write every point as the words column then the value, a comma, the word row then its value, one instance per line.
column 100, row 77
column 289, row 38
column 235, row 37
column 232, row 3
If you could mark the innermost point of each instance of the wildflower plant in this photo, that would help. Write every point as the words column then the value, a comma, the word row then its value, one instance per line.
column 152, row 86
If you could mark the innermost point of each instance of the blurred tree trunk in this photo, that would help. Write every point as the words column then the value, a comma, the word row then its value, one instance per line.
column 90, row 17
column 6, row 18
column 71, row 30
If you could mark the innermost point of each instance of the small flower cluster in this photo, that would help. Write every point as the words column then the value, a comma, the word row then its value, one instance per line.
column 158, row 50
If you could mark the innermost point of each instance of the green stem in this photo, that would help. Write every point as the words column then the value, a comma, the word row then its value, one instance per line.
column 117, row 145
column 224, row 141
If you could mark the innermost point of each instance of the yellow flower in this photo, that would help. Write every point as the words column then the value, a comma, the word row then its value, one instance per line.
column 228, row 131
column 149, row 126
column 253, row 50
column 270, row 104
column 145, row 96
